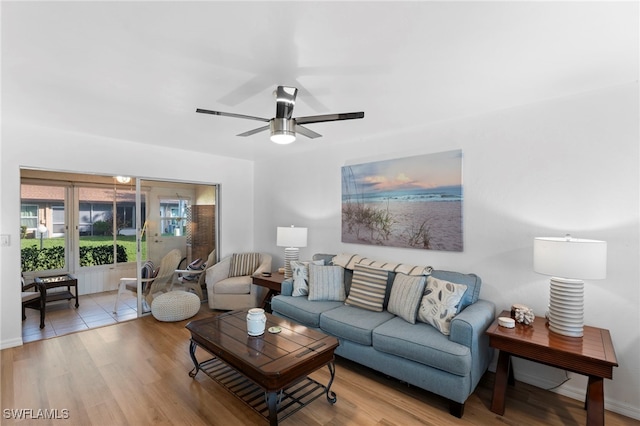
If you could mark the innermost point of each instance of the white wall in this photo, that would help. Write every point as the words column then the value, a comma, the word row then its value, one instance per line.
column 567, row 165
column 50, row 149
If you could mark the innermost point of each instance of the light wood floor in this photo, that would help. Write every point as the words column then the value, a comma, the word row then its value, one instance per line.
column 136, row 373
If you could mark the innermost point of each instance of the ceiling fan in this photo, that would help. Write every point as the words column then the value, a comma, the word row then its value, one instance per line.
column 283, row 126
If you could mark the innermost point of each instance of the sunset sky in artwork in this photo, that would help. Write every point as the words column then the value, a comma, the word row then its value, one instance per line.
column 418, row 172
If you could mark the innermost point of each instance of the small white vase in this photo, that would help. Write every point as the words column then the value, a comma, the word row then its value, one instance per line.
column 256, row 321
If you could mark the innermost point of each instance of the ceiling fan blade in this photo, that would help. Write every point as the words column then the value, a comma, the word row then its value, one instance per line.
column 231, row 114
column 285, row 101
column 329, row 117
column 307, row 132
column 254, row 131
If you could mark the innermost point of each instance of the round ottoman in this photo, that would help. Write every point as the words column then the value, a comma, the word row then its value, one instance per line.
column 175, row 306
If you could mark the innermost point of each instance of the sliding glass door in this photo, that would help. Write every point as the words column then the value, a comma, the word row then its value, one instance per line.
column 102, row 230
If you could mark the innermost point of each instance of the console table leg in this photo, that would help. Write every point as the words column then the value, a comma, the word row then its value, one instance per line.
column 595, row 401
column 192, row 353
column 500, row 385
column 273, row 408
column 331, row 396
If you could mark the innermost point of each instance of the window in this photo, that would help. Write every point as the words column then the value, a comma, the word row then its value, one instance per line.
column 107, row 227
column 173, row 216
column 103, row 238
column 43, row 205
column 28, row 218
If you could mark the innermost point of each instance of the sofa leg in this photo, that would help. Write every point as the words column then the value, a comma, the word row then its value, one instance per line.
column 456, row 409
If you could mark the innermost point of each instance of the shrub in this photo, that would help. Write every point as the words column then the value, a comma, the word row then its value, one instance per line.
column 34, row 259
column 102, row 227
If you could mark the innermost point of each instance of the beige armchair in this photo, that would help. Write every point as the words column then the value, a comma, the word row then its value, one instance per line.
column 230, row 284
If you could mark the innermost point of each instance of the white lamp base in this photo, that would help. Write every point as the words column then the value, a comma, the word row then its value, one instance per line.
column 566, row 307
column 290, row 254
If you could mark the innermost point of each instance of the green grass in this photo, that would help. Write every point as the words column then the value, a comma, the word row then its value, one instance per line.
column 128, row 242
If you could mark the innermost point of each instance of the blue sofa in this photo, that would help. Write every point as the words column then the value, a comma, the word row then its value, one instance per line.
column 418, row 354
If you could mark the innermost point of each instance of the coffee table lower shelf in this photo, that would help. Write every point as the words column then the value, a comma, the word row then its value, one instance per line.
column 290, row 399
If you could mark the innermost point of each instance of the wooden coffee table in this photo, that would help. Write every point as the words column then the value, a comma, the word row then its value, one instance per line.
column 276, row 365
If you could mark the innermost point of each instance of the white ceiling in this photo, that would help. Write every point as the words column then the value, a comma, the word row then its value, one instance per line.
column 137, row 71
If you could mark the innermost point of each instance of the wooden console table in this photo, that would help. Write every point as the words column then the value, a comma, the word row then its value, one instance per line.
column 591, row 355
column 273, row 283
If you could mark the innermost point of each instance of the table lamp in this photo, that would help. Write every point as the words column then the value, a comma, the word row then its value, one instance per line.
column 568, row 261
column 291, row 238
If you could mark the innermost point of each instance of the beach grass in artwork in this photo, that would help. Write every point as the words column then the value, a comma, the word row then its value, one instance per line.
column 412, row 202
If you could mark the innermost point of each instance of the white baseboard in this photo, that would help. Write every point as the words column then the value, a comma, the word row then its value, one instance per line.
column 11, row 343
column 578, row 393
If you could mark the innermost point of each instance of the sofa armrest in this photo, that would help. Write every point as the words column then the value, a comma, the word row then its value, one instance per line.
column 286, row 289
column 468, row 329
column 472, row 322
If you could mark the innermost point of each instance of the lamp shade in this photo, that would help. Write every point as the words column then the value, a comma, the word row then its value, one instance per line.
column 291, row 237
column 570, row 257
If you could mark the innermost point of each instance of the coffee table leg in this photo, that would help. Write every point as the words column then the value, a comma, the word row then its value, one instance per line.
column 192, row 352
column 273, row 408
column 331, row 396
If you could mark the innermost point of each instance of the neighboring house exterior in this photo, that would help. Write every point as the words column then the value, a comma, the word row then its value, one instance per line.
column 45, row 205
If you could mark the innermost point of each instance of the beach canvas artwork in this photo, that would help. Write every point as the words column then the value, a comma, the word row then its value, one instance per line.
column 412, row 202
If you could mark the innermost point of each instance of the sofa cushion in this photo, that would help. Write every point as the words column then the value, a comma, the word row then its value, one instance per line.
column 233, row 285
column 422, row 343
column 243, row 264
column 326, row 283
column 352, row 323
column 368, row 288
column 301, row 309
column 440, row 303
column 406, row 294
column 472, row 281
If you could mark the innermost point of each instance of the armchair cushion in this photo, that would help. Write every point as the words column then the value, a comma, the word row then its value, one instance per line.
column 234, row 285
column 243, row 264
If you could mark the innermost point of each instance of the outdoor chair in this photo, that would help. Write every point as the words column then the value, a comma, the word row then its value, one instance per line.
column 160, row 280
column 196, row 284
column 34, row 299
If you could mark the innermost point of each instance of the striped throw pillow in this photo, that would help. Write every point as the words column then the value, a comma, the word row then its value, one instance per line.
column 406, row 294
column 243, row 264
column 368, row 288
column 326, row 283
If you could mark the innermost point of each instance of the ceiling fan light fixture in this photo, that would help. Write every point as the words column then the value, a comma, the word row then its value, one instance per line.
column 282, row 131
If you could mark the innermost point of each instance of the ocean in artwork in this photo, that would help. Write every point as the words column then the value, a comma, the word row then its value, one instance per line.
column 412, row 202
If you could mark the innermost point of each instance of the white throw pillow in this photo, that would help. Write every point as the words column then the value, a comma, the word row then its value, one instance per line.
column 300, row 273
column 440, row 303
